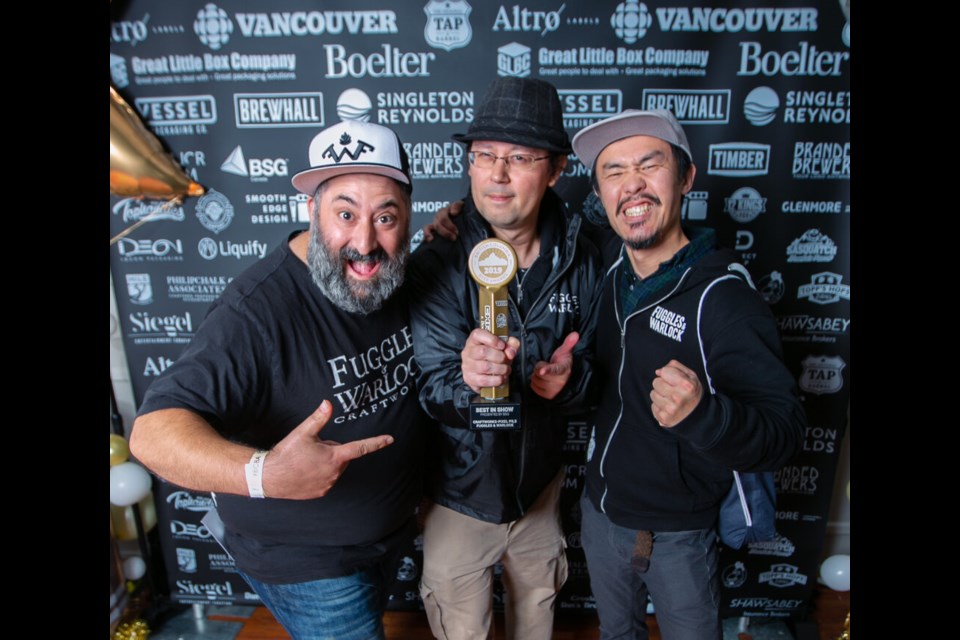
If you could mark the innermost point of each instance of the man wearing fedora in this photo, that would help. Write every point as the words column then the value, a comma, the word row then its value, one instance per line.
column 495, row 494
column 314, row 503
column 694, row 386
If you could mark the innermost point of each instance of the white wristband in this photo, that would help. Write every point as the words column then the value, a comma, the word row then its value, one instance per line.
column 254, row 472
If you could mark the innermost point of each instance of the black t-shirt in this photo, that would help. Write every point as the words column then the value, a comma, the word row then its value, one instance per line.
column 269, row 351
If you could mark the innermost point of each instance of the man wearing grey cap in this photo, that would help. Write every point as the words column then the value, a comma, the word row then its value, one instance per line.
column 694, row 387
column 314, row 503
column 495, row 494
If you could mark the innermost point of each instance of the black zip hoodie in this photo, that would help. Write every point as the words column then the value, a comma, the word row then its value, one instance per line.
column 644, row 476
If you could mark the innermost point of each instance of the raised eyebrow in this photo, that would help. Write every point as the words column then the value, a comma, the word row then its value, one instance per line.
column 390, row 203
column 345, row 198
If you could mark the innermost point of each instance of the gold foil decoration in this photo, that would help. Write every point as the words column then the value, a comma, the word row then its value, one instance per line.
column 136, row 630
column 845, row 634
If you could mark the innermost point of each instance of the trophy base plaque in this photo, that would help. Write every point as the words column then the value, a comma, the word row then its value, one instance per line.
column 494, row 415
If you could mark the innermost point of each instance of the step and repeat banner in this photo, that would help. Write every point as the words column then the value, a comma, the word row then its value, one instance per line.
column 236, row 90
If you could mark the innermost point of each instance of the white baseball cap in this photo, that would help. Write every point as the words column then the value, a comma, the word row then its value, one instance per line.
column 658, row 123
column 354, row 147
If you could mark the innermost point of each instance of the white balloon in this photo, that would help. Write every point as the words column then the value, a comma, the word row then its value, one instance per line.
column 129, row 484
column 835, row 572
column 134, row 567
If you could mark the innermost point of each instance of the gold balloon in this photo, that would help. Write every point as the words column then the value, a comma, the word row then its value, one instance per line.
column 119, row 450
column 124, row 523
column 139, row 165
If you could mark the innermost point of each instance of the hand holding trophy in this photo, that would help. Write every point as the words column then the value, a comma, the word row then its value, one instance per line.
column 492, row 265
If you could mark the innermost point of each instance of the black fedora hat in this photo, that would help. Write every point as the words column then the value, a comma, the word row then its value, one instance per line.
column 523, row 111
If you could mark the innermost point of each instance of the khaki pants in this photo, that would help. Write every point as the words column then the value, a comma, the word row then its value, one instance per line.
column 458, row 557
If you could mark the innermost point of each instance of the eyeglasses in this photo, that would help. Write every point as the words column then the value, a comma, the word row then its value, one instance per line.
column 522, row 161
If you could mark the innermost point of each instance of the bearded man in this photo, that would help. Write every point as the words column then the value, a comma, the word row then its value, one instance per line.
column 313, row 524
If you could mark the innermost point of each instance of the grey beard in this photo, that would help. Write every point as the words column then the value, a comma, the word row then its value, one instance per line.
column 327, row 270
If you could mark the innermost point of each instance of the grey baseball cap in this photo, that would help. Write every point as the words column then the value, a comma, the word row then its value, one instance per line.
column 658, row 123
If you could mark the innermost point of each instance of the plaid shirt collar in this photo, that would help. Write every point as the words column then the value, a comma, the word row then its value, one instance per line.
column 634, row 292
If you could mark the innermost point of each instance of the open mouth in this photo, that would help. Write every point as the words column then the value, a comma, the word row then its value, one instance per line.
column 638, row 211
column 364, row 268
column 637, row 214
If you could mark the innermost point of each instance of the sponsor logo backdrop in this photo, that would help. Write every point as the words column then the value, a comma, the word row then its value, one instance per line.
column 236, row 91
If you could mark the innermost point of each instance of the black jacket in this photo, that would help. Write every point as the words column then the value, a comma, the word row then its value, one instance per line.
column 644, row 476
column 496, row 476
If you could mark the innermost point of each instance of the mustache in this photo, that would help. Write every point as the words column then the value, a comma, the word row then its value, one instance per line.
column 351, row 254
column 647, row 196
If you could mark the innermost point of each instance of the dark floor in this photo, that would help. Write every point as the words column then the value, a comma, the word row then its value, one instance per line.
column 207, row 623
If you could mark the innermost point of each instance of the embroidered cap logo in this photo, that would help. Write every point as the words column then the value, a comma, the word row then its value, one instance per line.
column 361, row 148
